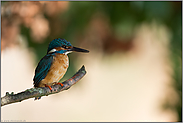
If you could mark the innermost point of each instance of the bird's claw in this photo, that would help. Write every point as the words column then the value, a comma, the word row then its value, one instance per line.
column 48, row 87
column 60, row 84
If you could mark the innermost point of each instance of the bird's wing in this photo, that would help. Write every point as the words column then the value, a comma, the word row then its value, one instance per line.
column 42, row 69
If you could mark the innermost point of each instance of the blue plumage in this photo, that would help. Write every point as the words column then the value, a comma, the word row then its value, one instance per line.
column 59, row 42
column 42, row 68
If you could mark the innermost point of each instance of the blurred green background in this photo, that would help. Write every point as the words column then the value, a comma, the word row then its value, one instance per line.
column 40, row 22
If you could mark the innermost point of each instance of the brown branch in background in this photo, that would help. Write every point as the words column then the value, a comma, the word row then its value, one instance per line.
column 42, row 91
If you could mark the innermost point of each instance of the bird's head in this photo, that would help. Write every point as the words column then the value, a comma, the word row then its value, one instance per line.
column 62, row 46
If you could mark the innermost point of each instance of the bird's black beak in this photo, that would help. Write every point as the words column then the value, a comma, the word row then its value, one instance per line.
column 79, row 50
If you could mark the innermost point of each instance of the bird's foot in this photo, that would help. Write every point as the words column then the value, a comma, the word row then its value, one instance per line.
column 48, row 87
column 59, row 84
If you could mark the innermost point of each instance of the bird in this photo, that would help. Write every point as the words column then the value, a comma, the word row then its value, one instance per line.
column 53, row 66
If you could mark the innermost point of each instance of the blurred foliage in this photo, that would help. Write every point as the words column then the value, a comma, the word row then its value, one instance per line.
column 71, row 20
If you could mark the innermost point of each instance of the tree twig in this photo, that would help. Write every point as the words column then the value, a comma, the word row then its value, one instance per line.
column 42, row 91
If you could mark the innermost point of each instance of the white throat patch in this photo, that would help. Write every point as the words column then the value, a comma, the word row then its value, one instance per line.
column 67, row 52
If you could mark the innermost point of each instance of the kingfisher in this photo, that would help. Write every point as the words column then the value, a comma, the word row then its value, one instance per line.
column 53, row 66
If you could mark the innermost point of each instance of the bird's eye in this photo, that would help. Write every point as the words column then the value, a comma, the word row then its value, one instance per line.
column 64, row 46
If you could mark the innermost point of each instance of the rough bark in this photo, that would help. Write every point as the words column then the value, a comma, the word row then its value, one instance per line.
column 42, row 91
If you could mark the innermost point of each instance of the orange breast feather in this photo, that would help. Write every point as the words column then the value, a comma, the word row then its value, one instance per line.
column 57, row 70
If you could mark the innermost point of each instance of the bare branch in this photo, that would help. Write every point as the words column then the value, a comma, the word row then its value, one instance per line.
column 42, row 91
